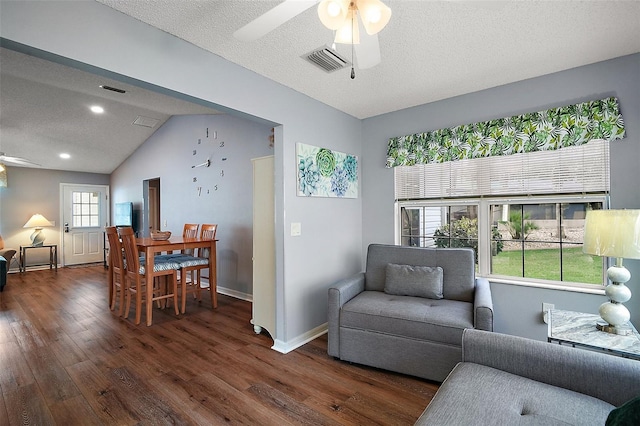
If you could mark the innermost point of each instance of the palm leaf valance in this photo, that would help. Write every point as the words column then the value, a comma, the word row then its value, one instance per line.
column 537, row 131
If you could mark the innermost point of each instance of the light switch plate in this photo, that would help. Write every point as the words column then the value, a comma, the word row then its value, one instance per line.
column 296, row 229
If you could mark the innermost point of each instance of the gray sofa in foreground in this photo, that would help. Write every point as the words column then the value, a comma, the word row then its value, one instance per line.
column 509, row 380
column 407, row 311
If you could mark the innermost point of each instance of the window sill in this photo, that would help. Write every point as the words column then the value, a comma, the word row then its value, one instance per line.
column 552, row 286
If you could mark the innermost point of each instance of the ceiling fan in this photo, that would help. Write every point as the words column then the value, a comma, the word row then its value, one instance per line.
column 338, row 15
column 17, row 161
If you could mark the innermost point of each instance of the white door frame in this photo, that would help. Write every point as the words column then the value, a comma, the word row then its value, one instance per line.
column 61, row 259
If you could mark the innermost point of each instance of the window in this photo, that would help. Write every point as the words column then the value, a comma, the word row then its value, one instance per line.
column 527, row 239
column 440, row 226
column 85, row 209
column 543, row 241
column 522, row 214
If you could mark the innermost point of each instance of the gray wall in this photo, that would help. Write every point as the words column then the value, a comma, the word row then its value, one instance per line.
column 517, row 308
column 168, row 155
column 334, row 232
column 32, row 191
column 97, row 37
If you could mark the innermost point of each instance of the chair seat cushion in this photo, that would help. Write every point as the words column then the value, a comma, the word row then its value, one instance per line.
column 159, row 266
column 439, row 320
column 477, row 394
column 186, row 261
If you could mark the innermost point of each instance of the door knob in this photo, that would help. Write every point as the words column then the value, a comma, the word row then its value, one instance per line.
column 66, row 227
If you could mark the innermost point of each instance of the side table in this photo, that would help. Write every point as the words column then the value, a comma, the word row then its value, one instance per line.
column 53, row 256
column 579, row 329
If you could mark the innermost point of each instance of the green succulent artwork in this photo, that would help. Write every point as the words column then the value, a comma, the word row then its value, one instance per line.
column 551, row 129
column 326, row 162
column 326, row 173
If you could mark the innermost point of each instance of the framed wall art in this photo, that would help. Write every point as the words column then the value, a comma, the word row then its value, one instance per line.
column 326, row 173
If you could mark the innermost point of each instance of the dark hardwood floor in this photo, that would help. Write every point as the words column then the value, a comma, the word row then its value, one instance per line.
column 66, row 359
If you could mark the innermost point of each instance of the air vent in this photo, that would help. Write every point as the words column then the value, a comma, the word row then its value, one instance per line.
column 327, row 59
column 145, row 121
column 113, row 89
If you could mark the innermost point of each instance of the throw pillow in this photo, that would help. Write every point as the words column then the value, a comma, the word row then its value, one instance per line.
column 626, row 415
column 420, row 281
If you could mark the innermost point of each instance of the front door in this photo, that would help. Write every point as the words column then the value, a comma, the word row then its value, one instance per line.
column 84, row 216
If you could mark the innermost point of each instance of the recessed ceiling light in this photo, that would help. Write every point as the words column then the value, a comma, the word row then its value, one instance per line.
column 65, row 155
column 97, row 109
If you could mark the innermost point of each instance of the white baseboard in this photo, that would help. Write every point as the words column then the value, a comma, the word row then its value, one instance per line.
column 278, row 345
column 235, row 293
column 286, row 347
column 228, row 291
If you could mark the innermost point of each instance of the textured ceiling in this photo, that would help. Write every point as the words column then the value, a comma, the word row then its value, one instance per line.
column 430, row 50
column 44, row 111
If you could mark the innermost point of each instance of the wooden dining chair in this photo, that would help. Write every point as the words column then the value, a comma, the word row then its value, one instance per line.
column 136, row 274
column 191, row 267
column 208, row 231
column 190, row 230
column 116, row 269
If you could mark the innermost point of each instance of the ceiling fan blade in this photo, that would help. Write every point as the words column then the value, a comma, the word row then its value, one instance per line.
column 368, row 51
column 17, row 161
column 272, row 19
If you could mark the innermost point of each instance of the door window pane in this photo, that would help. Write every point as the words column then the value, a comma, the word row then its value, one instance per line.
column 85, row 209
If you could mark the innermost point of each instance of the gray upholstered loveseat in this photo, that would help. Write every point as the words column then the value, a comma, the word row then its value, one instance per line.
column 509, row 380
column 374, row 320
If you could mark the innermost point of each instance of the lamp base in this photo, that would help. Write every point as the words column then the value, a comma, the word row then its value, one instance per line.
column 621, row 330
column 37, row 238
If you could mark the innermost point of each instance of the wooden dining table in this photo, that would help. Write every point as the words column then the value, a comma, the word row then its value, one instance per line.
column 151, row 247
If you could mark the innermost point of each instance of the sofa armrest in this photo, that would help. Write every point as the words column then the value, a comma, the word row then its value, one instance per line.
column 483, row 305
column 609, row 378
column 339, row 294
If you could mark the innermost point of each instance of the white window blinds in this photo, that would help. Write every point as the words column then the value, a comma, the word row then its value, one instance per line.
column 571, row 170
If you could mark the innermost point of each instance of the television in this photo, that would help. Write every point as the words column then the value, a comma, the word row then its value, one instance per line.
column 123, row 214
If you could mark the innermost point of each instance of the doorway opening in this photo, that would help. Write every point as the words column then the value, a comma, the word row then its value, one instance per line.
column 150, row 206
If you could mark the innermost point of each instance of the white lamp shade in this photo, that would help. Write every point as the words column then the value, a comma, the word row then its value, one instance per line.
column 37, row 221
column 612, row 233
column 333, row 13
column 375, row 15
column 344, row 34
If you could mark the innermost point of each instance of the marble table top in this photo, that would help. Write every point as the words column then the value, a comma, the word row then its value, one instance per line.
column 580, row 329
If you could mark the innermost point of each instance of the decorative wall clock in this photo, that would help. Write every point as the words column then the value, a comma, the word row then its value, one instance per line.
column 208, row 160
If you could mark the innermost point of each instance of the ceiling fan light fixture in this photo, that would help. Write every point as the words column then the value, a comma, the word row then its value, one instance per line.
column 375, row 15
column 333, row 13
column 349, row 32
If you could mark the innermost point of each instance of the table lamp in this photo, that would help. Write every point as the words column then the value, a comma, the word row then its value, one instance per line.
column 37, row 221
column 614, row 233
